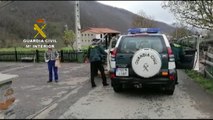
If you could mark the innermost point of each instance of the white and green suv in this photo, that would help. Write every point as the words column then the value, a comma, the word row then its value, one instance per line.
column 144, row 57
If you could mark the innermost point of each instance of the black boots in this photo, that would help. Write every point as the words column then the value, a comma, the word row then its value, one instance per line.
column 105, row 84
column 93, row 85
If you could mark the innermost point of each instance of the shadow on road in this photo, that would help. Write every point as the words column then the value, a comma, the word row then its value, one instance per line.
column 143, row 92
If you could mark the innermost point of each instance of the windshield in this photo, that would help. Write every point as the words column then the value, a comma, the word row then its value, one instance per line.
column 134, row 43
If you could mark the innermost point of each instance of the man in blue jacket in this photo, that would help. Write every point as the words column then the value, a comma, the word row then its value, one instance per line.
column 95, row 54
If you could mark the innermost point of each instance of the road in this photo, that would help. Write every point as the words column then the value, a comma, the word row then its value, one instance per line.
column 73, row 96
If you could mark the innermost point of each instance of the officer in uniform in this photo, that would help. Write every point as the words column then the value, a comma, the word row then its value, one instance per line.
column 94, row 55
column 178, row 52
column 179, row 55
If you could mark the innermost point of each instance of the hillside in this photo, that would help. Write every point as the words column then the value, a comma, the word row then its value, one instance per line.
column 17, row 19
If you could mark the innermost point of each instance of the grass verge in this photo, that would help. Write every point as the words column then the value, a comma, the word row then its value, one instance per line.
column 206, row 83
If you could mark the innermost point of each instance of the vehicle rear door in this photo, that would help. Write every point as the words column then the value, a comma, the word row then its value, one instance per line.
column 130, row 44
column 188, row 57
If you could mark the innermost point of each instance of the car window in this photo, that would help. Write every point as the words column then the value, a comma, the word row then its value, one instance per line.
column 132, row 44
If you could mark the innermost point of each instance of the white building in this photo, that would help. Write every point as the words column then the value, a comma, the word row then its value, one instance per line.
column 99, row 33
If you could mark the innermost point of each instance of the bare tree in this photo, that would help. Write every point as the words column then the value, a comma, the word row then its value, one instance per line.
column 197, row 13
column 181, row 31
column 143, row 20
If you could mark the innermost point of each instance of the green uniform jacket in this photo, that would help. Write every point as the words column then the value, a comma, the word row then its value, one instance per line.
column 178, row 52
column 95, row 53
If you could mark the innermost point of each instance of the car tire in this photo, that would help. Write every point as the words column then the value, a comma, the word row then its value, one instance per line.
column 117, row 88
column 176, row 78
column 170, row 90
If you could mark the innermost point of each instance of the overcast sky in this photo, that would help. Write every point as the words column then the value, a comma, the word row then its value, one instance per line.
column 151, row 8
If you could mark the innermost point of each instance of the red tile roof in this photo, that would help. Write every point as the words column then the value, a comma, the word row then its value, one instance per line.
column 100, row 30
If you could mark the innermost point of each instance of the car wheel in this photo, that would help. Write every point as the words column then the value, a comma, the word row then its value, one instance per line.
column 170, row 90
column 117, row 88
column 176, row 78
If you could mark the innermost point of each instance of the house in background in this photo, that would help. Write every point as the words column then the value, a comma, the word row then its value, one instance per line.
column 105, row 34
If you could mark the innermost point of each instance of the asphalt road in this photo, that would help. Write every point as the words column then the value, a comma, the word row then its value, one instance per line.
column 73, row 96
column 189, row 101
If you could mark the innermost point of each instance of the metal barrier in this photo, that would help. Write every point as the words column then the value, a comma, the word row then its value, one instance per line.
column 38, row 56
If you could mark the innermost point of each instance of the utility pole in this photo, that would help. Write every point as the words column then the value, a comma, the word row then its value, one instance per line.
column 77, row 25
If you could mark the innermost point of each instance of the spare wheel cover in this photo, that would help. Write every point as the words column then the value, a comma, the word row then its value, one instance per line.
column 146, row 62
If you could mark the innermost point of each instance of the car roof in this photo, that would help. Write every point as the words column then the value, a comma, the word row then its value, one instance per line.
column 149, row 34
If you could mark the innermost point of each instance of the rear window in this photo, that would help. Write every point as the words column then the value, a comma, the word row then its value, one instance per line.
column 134, row 43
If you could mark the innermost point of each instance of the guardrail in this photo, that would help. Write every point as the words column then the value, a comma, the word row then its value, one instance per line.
column 208, row 70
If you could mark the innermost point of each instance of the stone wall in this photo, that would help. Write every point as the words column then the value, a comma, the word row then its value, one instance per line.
column 7, row 97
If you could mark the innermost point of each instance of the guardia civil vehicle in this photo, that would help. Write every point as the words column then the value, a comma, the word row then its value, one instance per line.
column 144, row 57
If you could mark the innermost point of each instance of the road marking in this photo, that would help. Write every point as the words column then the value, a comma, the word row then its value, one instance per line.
column 45, row 111
column 12, row 69
column 71, row 93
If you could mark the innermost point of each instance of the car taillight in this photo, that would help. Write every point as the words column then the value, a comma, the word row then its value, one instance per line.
column 169, row 51
column 112, row 75
column 114, row 52
column 171, row 64
column 172, row 77
column 171, row 55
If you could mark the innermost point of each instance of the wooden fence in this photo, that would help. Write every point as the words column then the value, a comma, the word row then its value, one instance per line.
column 208, row 71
